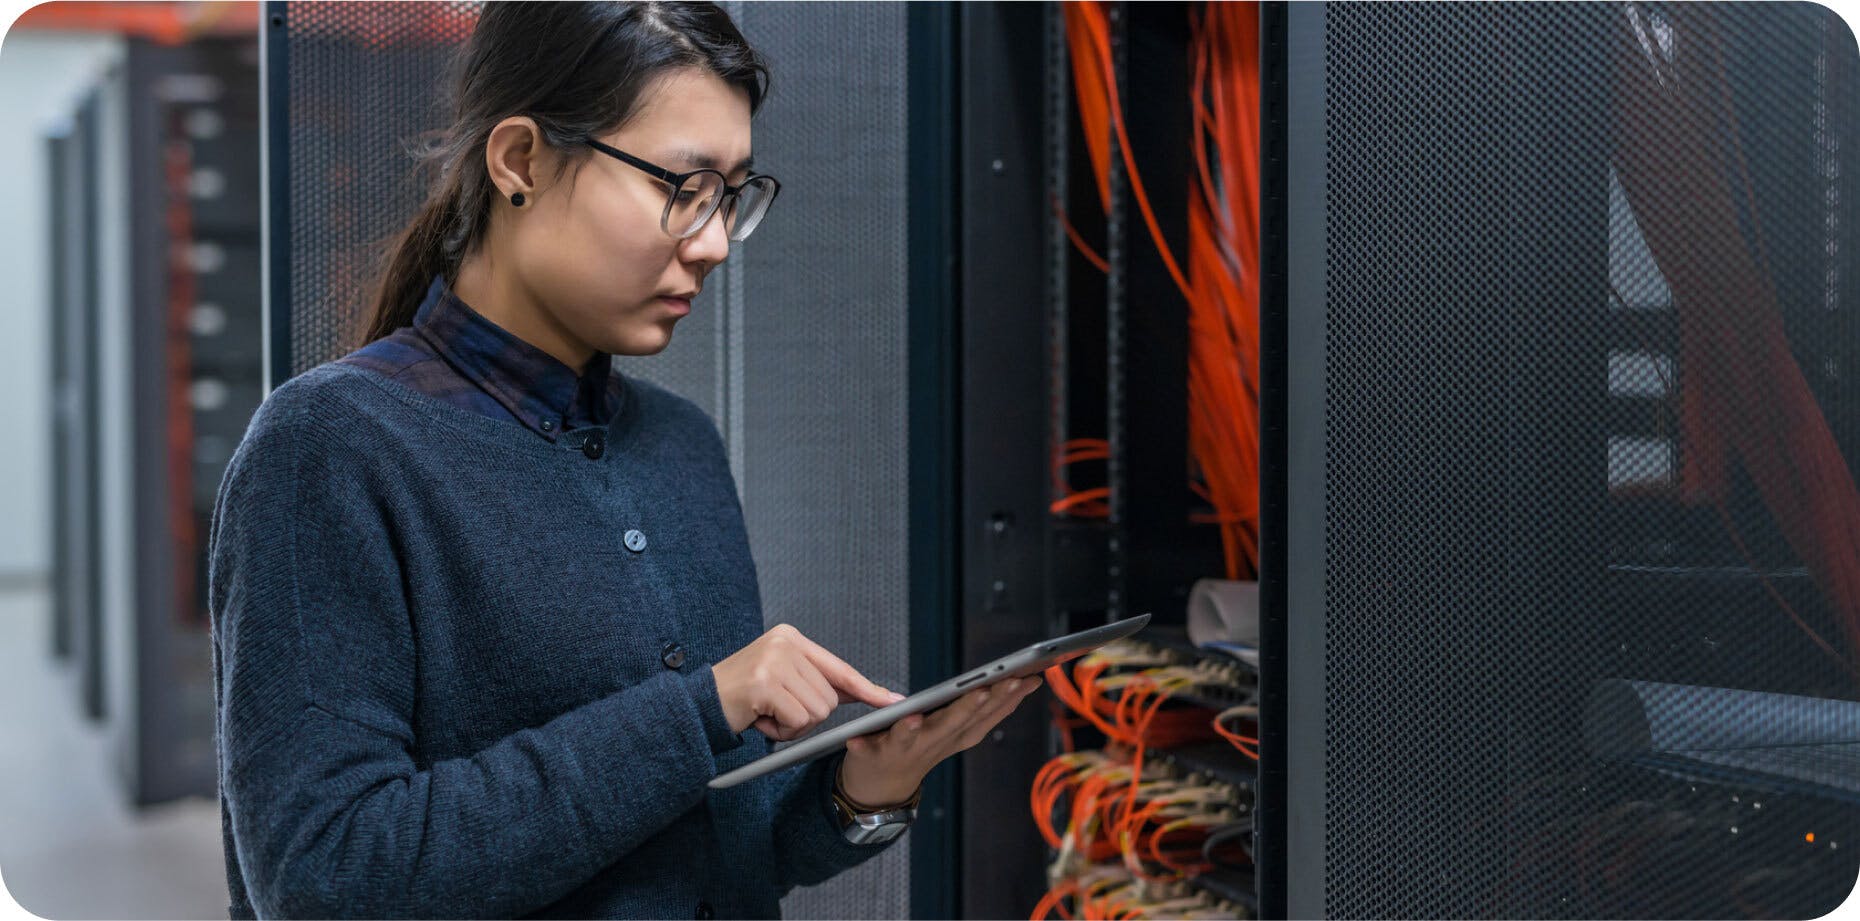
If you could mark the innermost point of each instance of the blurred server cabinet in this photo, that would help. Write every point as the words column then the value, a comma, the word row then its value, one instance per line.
column 156, row 368
column 62, row 393
column 63, row 396
column 194, row 378
column 77, row 534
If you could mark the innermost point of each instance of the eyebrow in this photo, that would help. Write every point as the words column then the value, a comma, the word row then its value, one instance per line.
column 699, row 158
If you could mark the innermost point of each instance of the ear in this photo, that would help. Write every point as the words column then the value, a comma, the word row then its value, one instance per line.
column 512, row 155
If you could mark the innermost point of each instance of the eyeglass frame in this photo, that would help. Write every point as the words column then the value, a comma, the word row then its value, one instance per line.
column 677, row 181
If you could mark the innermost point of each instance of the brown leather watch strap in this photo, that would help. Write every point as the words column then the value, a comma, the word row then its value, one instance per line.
column 856, row 808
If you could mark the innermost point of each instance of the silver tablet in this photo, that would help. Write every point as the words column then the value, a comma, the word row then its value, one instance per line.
column 1029, row 661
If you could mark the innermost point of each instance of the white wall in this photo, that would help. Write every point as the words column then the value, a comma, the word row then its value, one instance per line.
column 41, row 77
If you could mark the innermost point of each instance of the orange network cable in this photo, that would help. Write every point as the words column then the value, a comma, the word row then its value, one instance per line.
column 1086, row 690
column 1171, row 828
column 1091, row 255
column 1169, row 809
column 1065, row 775
column 1173, row 835
column 1073, row 696
column 1128, row 720
column 1102, row 897
column 1085, row 826
column 1090, row 503
column 1090, row 79
column 1054, row 901
column 1096, row 43
column 1220, row 285
column 1223, row 215
column 1082, row 891
column 1133, row 720
column 1246, row 744
column 1136, row 711
column 1155, row 828
column 1049, row 785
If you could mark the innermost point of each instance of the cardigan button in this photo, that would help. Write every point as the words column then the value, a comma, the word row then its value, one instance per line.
column 635, row 541
column 594, row 447
column 705, row 912
column 673, row 656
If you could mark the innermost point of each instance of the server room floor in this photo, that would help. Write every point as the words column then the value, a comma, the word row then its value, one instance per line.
column 71, row 847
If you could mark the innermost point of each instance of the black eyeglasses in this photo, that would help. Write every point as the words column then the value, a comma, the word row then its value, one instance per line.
column 698, row 194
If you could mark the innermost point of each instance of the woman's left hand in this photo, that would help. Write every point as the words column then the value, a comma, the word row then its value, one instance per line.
column 886, row 768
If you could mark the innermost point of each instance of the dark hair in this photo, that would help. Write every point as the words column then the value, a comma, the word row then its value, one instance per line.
column 578, row 69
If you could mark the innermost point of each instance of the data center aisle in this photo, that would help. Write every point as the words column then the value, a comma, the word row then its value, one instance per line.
column 70, row 846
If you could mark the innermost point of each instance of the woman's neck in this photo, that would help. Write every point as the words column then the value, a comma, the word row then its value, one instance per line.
column 498, row 297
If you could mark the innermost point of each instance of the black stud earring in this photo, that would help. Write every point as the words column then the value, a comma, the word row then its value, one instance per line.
column 517, row 199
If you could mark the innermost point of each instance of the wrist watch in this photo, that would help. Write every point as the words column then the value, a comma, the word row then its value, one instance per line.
column 873, row 825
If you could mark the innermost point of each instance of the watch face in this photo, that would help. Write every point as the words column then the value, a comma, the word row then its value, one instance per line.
column 877, row 828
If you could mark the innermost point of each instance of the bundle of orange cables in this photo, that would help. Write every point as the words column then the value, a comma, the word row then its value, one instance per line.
column 1160, row 840
column 1134, row 716
column 1155, row 828
column 1221, row 285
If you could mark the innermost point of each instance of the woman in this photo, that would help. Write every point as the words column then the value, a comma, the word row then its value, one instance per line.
column 485, row 618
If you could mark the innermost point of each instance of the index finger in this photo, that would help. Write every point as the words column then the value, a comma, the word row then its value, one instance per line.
column 846, row 679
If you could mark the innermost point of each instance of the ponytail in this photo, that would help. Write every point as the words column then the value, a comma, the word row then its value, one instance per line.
column 415, row 255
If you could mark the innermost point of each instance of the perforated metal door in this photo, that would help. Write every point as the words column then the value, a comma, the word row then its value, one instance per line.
column 1573, row 433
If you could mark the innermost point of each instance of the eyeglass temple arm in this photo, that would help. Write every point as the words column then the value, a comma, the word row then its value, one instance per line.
column 635, row 162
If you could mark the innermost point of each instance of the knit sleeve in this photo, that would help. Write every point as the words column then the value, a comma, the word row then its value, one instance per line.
column 331, row 814
column 809, row 846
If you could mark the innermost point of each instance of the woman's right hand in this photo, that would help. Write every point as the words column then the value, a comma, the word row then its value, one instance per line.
column 785, row 684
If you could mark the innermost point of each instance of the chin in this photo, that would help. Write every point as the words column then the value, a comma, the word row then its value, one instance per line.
column 645, row 342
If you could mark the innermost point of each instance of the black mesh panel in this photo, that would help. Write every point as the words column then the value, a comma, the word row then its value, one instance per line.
column 364, row 84
column 1590, row 434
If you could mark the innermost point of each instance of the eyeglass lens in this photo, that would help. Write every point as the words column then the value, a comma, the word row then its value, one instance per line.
column 694, row 202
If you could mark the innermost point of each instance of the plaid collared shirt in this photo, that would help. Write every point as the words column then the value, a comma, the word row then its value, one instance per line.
column 452, row 353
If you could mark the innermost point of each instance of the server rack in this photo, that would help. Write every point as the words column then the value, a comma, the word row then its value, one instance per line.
column 77, row 580
column 1446, row 372
column 194, row 380
column 63, row 414
column 1106, row 354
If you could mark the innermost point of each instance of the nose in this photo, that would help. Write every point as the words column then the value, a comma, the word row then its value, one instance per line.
column 711, row 244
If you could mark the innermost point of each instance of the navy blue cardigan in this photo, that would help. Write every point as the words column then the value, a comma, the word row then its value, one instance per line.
column 452, row 681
